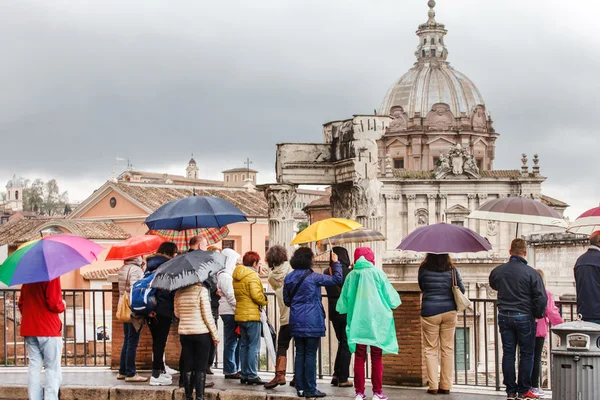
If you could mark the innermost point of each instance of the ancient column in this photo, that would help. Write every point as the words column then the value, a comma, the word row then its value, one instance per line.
column 280, row 198
column 443, row 206
column 431, row 208
column 472, row 205
column 482, row 200
column 482, row 326
column 411, row 209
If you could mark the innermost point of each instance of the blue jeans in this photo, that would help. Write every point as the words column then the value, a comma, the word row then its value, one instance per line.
column 231, row 348
column 46, row 352
column 517, row 329
column 249, row 348
column 306, row 364
column 131, row 338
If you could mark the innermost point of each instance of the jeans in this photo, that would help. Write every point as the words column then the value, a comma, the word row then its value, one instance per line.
column 231, row 347
column 159, row 328
column 306, row 364
column 517, row 329
column 536, row 375
column 46, row 352
column 131, row 338
column 341, row 369
column 249, row 348
column 360, row 358
column 438, row 338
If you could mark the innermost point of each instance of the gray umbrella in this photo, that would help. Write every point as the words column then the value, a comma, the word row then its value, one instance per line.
column 188, row 269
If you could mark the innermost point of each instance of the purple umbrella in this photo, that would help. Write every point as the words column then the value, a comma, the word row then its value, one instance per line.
column 444, row 238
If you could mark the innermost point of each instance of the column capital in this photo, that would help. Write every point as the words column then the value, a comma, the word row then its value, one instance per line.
column 443, row 196
column 411, row 197
column 472, row 196
column 280, row 199
column 432, row 196
column 482, row 196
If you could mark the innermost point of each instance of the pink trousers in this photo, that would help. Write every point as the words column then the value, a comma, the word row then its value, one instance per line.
column 360, row 358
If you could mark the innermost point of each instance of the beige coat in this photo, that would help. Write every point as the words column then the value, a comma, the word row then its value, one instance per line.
column 276, row 280
column 131, row 269
column 192, row 307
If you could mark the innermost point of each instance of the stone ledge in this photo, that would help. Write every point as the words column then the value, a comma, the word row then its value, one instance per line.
column 407, row 287
column 145, row 392
column 86, row 393
column 13, row 392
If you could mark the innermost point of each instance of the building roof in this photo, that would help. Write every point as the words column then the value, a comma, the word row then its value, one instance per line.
column 152, row 197
column 99, row 273
column 311, row 191
column 320, row 202
column 21, row 231
column 229, row 171
column 552, row 202
column 157, row 177
column 510, row 173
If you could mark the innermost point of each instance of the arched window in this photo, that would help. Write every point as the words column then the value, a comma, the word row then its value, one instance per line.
column 432, row 40
column 235, row 178
column 423, row 53
column 227, row 178
column 425, row 41
column 432, row 52
column 16, row 195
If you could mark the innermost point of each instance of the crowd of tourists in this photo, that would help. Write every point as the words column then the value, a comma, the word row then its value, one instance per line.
column 361, row 301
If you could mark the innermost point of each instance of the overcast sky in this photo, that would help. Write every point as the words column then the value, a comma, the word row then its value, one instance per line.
column 86, row 81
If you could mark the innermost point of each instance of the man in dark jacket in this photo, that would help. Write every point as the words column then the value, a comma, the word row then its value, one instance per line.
column 587, row 281
column 521, row 299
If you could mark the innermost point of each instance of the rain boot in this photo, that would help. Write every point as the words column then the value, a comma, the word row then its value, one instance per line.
column 188, row 384
column 200, row 384
column 279, row 379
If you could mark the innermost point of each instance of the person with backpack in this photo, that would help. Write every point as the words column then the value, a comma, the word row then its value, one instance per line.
column 368, row 299
column 130, row 273
column 302, row 294
column 227, row 305
column 341, row 369
column 160, row 319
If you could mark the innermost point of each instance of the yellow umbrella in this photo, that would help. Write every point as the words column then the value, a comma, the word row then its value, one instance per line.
column 325, row 229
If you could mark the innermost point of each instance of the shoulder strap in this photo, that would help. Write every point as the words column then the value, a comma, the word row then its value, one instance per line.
column 128, row 276
column 454, row 283
column 293, row 294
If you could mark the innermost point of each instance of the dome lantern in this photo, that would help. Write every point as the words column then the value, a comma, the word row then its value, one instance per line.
column 431, row 38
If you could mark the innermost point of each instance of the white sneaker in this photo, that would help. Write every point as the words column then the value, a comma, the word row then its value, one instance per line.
column 162, row 380
column 170, row 371
column 380, row 396
column 360, row 397
column 539, row 392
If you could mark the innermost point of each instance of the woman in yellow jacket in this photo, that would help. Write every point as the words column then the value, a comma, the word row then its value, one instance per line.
column 249, row 297
column 197, row 332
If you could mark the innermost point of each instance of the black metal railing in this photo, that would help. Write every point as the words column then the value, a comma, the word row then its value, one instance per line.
column 87, row 322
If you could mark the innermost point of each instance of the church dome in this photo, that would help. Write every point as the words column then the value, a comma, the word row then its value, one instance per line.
column 432, row 80
column 15, row 182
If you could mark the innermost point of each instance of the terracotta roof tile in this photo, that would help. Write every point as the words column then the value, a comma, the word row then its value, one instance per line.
column 321, row 202
column 251, row 204
column 510, row 173
column 21, row 231
column 99, row 273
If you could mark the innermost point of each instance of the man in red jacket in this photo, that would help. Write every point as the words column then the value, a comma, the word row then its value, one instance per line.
column 40, row 303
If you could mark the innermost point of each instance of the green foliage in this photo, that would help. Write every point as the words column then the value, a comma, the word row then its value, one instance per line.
column 302, row 226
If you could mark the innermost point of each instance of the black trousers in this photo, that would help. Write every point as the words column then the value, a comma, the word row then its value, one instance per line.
column 213, row 349
column 159, row 328
column 195, row 349
column 536, row 374
column 341, row 369
column 283, row 340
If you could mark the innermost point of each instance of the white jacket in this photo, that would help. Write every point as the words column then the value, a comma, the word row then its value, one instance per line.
column 225, row 283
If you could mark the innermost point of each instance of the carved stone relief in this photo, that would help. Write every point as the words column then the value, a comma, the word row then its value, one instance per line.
column 492, row 228
column 479, row 119
column 281, row 202
column 399, row 119
column 440, row 117
column 368, row 196
column 342, row 202
column 457, row 162
column 422, row 217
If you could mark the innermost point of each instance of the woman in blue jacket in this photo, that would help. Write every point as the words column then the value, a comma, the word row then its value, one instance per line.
column 438, row 319
column 302, row 294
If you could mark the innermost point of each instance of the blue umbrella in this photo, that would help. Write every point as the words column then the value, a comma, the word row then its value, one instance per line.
column 195, row 212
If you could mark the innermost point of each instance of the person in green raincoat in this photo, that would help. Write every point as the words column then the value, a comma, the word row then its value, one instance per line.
column 368, row 299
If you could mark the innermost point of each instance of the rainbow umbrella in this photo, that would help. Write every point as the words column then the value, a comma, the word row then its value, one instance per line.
column 48, row 258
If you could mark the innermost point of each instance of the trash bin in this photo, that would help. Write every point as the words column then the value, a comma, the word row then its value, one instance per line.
column 576, row 362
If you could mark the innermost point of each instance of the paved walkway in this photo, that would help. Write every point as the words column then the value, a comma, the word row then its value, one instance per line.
column 101, row 383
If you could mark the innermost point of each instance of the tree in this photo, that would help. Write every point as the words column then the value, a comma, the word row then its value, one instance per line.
column 302, row 226
column 44, row 198
column 3, row 197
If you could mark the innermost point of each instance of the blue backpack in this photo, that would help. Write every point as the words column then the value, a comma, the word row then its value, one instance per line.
column 143, row 299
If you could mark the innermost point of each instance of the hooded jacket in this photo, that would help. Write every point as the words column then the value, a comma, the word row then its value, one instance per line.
column 130, row 273
column 334, row 292
column 164, row 298
column 276, row 280
column 307, row 317
column 227, row 303
column 368, row 299
column 249, row 294
column 552, row 316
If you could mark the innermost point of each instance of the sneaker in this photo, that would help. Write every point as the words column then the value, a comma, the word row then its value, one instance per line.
column 166, row 375
column 529, row 395
column 136, row 378
column 380, row 396
column 170, row 371
column 255, row 381
column 162, row 380
column 360, row 396
column 121, row 377
column 539, row 392
column 511, row 397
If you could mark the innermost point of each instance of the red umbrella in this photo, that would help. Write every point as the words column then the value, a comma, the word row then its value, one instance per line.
column 135, row 247
column 181, row 238
column 587, row 223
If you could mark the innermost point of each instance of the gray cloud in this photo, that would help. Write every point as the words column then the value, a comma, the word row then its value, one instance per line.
column 154, row 80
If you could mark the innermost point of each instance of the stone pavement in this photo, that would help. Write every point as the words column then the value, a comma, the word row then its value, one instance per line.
column 101, row 383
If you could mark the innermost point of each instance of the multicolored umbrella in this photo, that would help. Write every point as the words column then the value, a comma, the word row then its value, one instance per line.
column 181, row 238
column 443, row 239
column 195, row 212
column 360, row 235
column 188, row 269
column 48, row 258
column 134, row 247
column 325, row 229
column 587, row 223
